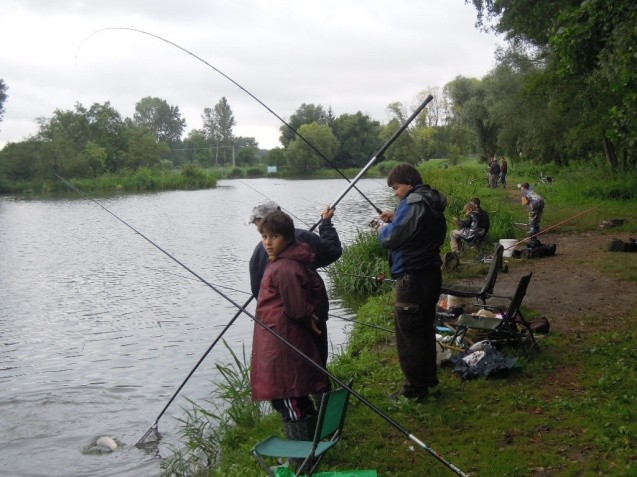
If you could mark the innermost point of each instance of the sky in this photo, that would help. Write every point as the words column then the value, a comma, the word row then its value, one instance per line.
column 345, row 55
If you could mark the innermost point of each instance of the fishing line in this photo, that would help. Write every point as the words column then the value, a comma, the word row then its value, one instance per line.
column 379, row 154
column 553, row 226
column 194, row 279
column 266, row 197
column 242, row 309
column 330, row 163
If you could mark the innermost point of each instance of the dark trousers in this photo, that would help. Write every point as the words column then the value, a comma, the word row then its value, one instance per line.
column 416, row 298
column 294, row 409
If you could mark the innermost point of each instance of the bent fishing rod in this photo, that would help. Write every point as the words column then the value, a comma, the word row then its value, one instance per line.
column 241, row 309
column 217, row 70
column 375, row 157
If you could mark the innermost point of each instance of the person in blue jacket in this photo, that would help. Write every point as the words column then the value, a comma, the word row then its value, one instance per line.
column 326, row 247
column 413, row 233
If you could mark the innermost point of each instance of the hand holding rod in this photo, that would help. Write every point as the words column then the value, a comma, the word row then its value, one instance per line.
column 380, row 152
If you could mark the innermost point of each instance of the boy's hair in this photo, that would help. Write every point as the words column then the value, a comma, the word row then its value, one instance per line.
column 475, row 201
column 469, row 207
column 278, row 222
column 404, row 174
column 524, row 185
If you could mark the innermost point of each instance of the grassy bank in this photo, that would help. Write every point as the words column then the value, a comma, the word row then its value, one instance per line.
column 568, row 411
column 142, row 180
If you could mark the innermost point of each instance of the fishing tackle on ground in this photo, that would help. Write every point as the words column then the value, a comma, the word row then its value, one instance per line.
column 153, row 431
column 321, row 155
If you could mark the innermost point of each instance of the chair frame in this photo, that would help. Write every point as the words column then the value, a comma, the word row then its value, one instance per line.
column 486, row 290
column 329, row 425
column 506, row 329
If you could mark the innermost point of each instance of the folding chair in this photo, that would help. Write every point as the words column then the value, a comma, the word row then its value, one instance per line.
column 511, row 328
column 329, row 423
column 486, row 290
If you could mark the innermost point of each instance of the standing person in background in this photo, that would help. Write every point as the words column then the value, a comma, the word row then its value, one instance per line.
column 289, row 296
column 494, row 173
column 503, row 173
column 326, row 247
column 535, row 204
column 414, row 233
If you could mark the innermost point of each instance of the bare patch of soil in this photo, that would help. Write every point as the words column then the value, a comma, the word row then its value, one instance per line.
column 569, row 286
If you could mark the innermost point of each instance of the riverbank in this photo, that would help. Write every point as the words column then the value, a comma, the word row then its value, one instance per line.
column 567, row 411
column 142, row 180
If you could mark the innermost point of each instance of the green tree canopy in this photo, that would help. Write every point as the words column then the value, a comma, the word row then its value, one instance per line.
column 359, row 139
column 218, row 124
column 305, row 114
column 161, row 119
column 301, row 158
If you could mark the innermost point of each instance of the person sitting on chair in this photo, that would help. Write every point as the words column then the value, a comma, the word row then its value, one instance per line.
column 472, row 229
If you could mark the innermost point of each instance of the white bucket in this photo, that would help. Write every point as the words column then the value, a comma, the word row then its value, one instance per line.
column 509, row 246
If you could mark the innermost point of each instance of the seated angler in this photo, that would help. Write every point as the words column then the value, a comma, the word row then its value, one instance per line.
column 473, row 228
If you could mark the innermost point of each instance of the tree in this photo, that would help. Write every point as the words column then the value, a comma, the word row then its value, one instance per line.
column 276, row 157
column 359, row 138
column 469, row 106
column 589, row 68
column 305, row 114
column 218, row 124
column 3, row 97
column 402, row 149
column 161, row 119
column 143, row 149
column 247, row 151
column 301, row 158
column 198, row 149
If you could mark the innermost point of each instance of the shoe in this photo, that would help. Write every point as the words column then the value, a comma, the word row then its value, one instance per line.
column 420, row 397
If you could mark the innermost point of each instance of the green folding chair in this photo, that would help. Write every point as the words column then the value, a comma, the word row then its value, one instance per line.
column 329, row 424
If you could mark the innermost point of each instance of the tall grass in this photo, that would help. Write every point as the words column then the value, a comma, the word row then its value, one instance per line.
column 358, row 274
column 190, row 177
column 207, row 425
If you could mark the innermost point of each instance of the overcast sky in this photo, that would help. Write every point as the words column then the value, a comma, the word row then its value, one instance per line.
column 344, row 54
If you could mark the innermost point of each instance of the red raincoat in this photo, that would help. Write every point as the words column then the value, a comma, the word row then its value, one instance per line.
column 289, row 294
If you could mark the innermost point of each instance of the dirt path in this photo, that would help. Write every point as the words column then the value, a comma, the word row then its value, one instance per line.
column 569, row 284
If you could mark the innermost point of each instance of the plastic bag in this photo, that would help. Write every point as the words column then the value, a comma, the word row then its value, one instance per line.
column 485, row 362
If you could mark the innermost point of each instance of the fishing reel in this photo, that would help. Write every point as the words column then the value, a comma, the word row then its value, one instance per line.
column 375, row 223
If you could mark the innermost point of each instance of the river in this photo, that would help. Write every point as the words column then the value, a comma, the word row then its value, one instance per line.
column 98, row 327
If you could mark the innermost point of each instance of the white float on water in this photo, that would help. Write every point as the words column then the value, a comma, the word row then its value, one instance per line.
column 106, row 442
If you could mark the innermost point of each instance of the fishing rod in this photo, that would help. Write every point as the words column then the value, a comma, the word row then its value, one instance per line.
column 380, row 153
column 242, row 309
column 552, row 227
column 300, row 136
column 153, row 429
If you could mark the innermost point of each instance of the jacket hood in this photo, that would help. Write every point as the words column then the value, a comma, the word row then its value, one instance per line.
column 436, row 200
column 299, row 251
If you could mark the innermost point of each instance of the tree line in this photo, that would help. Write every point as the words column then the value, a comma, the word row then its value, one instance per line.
column 564, row 88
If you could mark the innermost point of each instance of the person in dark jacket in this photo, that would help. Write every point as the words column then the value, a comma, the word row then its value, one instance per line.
column 504, row 170
column 326, row 247
column 494, row 173
column 414, row 233
column 289, row 296
column 474, row 226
